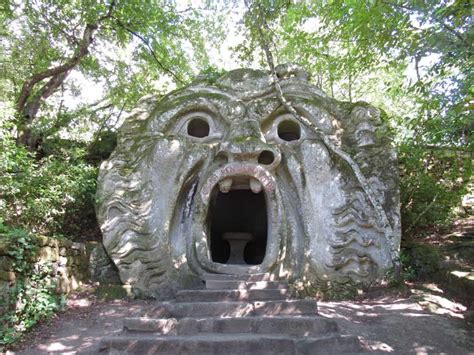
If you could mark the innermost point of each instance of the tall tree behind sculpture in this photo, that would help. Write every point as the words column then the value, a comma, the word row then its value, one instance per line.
column 257, row 11
column 46, row 41
column 411, row 60
column 342, row 42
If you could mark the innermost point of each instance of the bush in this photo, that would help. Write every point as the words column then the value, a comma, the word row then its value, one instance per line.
column 433, row 182
column 32, row 297
column 53, row 195
column 419, row 261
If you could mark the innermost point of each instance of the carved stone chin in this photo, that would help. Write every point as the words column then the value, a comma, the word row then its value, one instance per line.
column 218, row 178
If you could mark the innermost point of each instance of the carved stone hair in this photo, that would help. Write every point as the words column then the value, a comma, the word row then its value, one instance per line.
column 325, row 182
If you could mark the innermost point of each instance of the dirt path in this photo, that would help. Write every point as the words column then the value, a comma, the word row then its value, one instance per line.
column 389, row 324
column 403, row 326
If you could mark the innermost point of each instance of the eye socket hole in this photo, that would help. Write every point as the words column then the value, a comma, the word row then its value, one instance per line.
column 266, row 157
column 289, row 130
column 198, row 128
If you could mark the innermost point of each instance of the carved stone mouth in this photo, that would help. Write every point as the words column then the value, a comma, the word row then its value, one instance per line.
column 238, row 176
column 237, row 225
column 237, row 217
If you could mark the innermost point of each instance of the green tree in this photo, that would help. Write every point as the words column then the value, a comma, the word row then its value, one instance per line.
column 45, row 41
column 411, row 58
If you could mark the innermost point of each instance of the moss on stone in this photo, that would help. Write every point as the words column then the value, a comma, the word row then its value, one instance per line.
column 113, row 292
column 7, row 276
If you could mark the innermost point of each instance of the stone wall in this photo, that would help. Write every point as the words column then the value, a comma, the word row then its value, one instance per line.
column 69, row 262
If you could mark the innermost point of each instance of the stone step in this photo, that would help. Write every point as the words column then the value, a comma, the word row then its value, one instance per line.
column 331, row 344
column 250, row 277
column 287, row 325
column 229, row 344
column 232, row 295
column 244, row 285
column 233, row 309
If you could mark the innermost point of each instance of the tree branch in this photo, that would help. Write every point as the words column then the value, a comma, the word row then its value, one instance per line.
column 380, row 212
column 150, row 48
column 436, row 19
column 427, row 208
column 81, row 52
column 29, row 103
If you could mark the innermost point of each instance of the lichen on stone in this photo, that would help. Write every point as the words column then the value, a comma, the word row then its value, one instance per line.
column 222, row 159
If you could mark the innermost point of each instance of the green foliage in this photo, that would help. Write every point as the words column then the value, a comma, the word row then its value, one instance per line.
column 412, row 59
column 419, row 261
column 432, row 184
column 101, row 148
column 53, row 195
column 32, row 298
column 22, row 247
column 137, row 48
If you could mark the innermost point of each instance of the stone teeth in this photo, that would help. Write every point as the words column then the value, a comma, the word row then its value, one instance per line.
column 225, row 185
column 255, row 186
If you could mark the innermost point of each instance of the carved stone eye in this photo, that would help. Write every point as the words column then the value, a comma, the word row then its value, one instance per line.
column 198, row 127
column 289, row 130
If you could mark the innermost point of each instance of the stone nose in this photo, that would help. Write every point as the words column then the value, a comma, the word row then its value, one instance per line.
column 245, row 143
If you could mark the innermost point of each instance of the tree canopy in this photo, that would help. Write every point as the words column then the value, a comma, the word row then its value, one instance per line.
column 128, row 46
column 71, row 70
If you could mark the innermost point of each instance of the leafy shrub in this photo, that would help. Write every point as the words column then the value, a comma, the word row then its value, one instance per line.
column 419, row 261
column 433, row 182
column 53, row 195
column 101, row 148
column 32, row 297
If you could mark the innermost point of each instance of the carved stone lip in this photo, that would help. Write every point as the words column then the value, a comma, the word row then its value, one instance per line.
column 199, row 244
column 234, row 170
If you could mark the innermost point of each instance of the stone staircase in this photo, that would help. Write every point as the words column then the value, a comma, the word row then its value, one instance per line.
column 251, row 315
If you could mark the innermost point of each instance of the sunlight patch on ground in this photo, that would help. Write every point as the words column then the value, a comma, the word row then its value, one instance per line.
column 440, row 305
column 79, row 303
column 433, row 287
column 57, row 346
column 464, row 274
column 374, row 345
column 423, row 349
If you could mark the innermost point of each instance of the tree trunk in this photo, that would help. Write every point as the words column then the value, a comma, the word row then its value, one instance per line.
column 35, row 91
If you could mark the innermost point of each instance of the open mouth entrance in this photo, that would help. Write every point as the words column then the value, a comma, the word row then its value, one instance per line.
column 238, row 226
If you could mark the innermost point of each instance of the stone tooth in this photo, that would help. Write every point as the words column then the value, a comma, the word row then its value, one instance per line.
column 225, row 185
column 255, row 185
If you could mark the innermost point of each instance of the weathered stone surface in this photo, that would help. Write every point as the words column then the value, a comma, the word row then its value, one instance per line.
column 232, row 295
column 332, row 344
column 231, row 327
column 69, row 268
column 251, row 285
column 6, row 263
column 47, row 253
column 201, row 344
column 113, row 292
column 4, row 245
column 101, row 267
column 7, row 276
column 41, row 240
column 319, row 206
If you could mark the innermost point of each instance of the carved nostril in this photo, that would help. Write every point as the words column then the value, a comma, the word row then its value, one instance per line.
column 266, row 157
column 221, row 158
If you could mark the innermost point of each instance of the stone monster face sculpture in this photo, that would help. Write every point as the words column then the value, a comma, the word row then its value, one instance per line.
column 219, row 178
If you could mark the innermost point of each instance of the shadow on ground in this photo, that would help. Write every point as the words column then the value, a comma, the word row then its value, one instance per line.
column 387, row 324
column 404, row 325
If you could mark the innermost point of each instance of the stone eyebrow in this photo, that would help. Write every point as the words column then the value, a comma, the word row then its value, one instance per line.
column 176, row 118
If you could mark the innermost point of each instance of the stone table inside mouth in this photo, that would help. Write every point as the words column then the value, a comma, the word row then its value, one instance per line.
column 237, row 242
